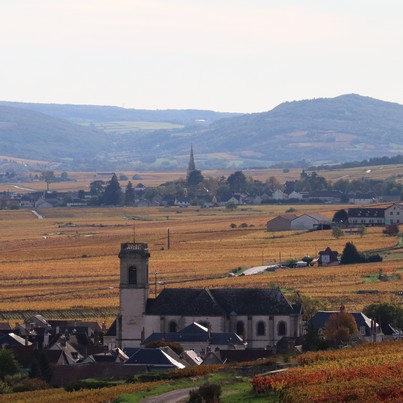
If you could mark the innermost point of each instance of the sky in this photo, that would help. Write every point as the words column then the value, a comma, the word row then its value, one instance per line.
column 223, row 55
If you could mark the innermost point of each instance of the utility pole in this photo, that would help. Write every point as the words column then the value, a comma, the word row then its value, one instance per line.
column 169, row 240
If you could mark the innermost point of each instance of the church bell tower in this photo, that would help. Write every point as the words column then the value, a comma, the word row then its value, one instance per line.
column 133, row 293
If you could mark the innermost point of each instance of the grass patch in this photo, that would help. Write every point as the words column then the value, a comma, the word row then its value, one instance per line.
column 371, row 278
column 235, row 389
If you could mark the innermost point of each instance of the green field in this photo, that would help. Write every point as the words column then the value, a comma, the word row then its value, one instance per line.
column 133, row 126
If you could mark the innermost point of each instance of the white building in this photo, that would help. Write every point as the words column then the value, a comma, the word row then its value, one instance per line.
column 309, row 221
column 261, row 316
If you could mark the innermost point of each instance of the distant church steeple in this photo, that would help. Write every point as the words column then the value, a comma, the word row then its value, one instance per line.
column 192, row 165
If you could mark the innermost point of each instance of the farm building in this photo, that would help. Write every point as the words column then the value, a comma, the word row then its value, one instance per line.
column 291, row 222
column 260, row 316
column 328, row 257
column 369, row 216
column 280, row 223
column 310, row 221
column 394, row 214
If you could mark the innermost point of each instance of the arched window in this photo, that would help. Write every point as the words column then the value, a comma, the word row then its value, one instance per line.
column 261, row 328
column 282, row 328
column 240, row 328
column 132, row 275
column 172, row 327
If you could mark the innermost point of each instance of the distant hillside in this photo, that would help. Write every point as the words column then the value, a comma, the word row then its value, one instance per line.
column 94, row 113
column 328, row 130
column 33, row 135
column 339, row 129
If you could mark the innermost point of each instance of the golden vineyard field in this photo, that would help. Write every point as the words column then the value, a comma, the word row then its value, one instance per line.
column 68, row 259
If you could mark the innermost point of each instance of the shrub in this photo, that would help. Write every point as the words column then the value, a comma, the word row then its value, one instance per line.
column 208, row 392
column 243, row 225
column 391, row 230
column 233, row 225
column 27, row 384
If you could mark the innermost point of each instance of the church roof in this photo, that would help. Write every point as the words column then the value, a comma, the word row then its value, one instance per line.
column 219, row 301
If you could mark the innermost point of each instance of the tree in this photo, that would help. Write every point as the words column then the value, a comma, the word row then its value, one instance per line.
column 350, row 254
column 312, row 340
column 48, row 177
column 64, row 176
column 113, row 193
column 8, row 364
column 96, row 188
column 385, row 313
column 337, row 232
column 340, row 216
column 237, row 182
column 195, row 177
column 363, row 230
column 340, row 327
column 129, row 194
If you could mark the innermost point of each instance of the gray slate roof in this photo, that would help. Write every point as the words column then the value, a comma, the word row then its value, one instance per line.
column 219, row 302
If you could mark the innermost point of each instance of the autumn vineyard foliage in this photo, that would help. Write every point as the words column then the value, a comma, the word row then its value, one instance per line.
column 68, row 261
column 371, row 372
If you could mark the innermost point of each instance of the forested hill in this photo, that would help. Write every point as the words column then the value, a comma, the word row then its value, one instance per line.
column 347, row 127
column 310, row 132
column 33, row 135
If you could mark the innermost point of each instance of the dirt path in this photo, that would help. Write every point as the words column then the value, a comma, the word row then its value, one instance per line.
column 174, row 396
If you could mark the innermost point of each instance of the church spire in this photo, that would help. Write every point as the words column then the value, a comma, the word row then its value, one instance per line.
column 192, row 165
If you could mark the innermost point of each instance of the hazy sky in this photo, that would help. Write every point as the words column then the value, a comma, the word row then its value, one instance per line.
column 224, row 55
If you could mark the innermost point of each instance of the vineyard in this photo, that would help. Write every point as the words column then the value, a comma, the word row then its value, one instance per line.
column 369, row 372
column 67, row 262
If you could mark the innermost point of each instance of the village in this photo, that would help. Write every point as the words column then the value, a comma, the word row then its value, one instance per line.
column 159, row 327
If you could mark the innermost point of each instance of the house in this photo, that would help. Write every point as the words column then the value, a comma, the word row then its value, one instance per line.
column 279, row 195
column 394, row 214
column 324, row 196
column 328, row 257
column 280, row 223
column 368, row 329
column 367, row 198
column 162, row 358
column 295, row 195
column 368, row 216
column 260, row 316
column 310, row 222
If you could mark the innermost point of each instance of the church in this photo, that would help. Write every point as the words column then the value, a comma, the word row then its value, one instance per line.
column 260, row 316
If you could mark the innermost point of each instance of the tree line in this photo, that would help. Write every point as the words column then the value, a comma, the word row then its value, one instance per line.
column 197, row 189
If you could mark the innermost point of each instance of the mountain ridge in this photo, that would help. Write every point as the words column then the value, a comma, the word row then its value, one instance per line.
column 320, row 130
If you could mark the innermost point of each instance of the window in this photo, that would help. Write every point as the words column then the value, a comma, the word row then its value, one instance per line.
column 172, row 327
column 240, row 328
column 132, row 275
column 260, row 328
column 362, row 330
column 282, row 328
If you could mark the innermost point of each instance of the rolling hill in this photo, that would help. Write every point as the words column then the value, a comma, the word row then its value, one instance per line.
column 325, row 130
